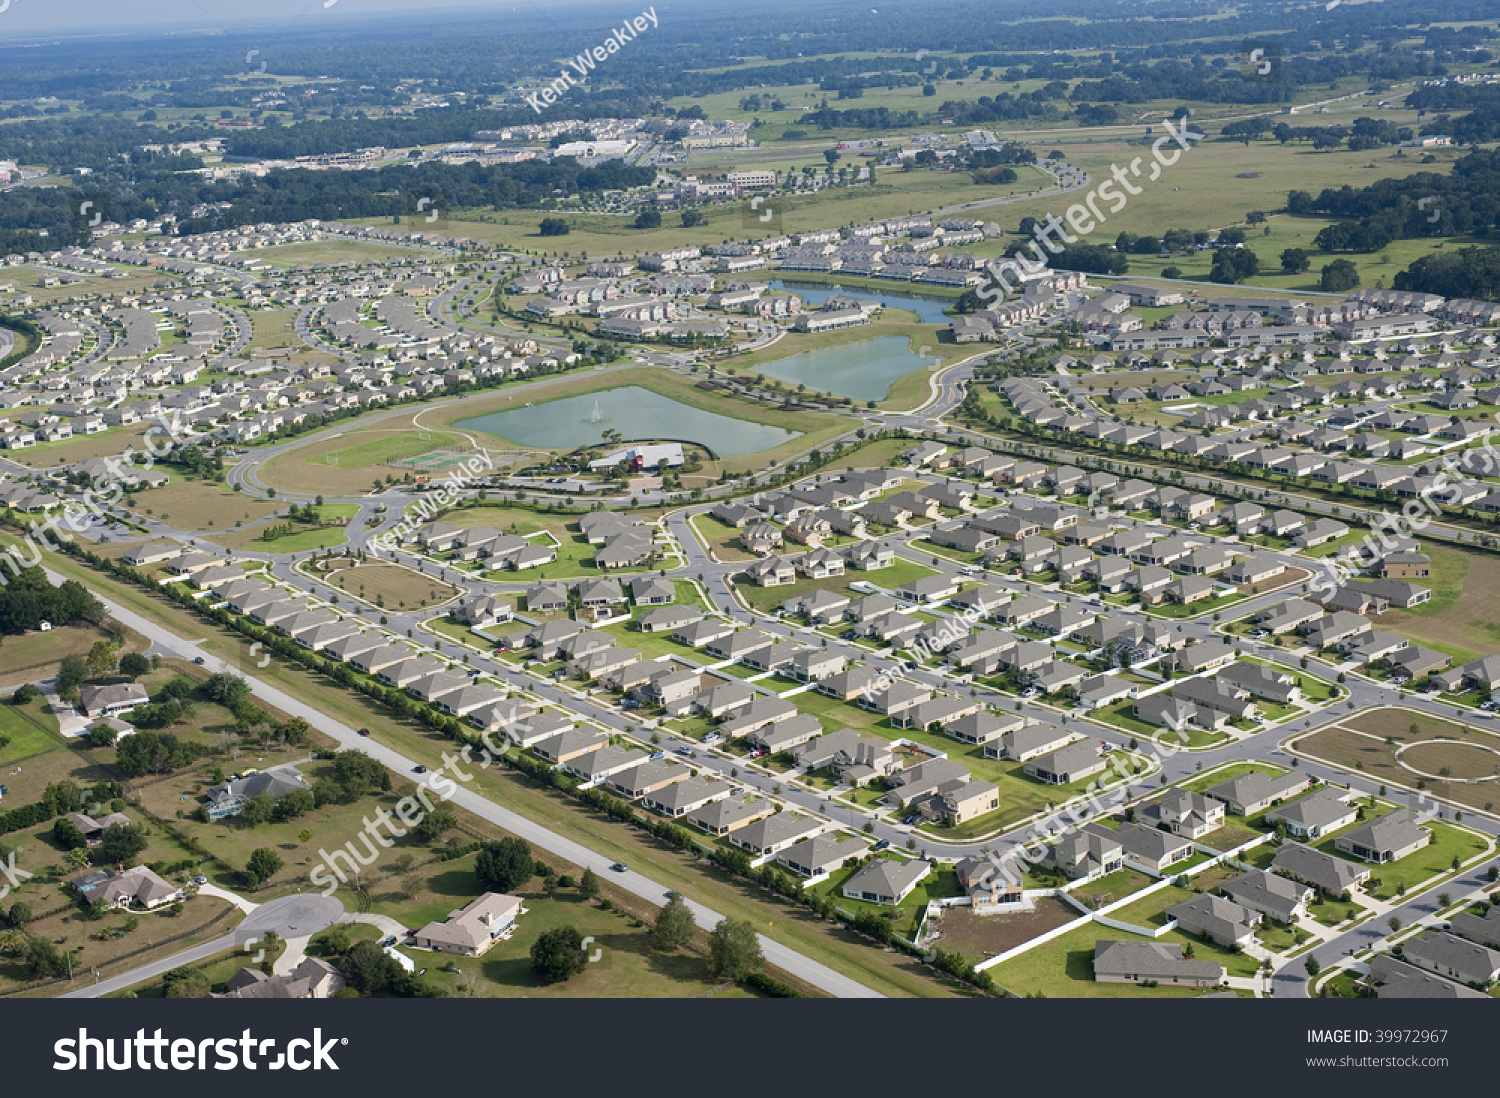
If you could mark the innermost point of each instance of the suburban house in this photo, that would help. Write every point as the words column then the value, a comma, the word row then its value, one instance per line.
column 1254, row 792
column 1320, row 813
column 886, row 880
column 1222, row 921
column 107, row 701
column 138, row 888
column 1067, row 764
column 1136, row 962
column 1277, row 898
column 1191, row 815
column 1332, row 876
column 1387, row 839
column 471, row 930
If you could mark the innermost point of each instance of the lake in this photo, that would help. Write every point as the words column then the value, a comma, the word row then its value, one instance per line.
column 863, row 370
column 928, row 310
column 637, row 413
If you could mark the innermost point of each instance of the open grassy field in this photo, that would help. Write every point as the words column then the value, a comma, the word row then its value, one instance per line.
column 338, row 251
column 721, row 538
column 300, row 540
column 111, row 443
column 201, row 505
column 1465, row 605
column 603, row 235
column 27, row 730
column 1064, row 969
column 276, row 329
column 389, row 585
column 36, row 655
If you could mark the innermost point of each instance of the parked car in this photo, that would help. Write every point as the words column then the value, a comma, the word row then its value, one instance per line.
column 882, row 844
column 200, row 880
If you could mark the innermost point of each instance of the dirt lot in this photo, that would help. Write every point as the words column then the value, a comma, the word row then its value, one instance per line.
column 981, row 936
column 1291, row 577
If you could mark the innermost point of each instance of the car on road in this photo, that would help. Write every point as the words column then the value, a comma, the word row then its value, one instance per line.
column 200, row 880
column 1031, row 692
column 620, row 867
column 655, row 755
column 419, row 769
column 198, row 660
column 882, row 844
column 364, row 731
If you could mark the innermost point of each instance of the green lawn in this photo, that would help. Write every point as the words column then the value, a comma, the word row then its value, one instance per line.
column 1064, row 968
column 1435, row 860
column 768, row 598
column 27, row 730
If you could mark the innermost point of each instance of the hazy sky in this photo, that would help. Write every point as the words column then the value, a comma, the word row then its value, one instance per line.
column 28, row 17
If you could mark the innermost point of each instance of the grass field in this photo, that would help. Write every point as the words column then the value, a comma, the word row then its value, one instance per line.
column 276, row 329
column 350, row 461
column 111, row 443
column 300, row 540
column 200, row 505
column 27, row 730
column 337, row 251
column 1465, row 605
column 36, row 655
column 389, row 585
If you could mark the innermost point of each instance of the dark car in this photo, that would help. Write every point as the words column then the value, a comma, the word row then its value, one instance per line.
column 882, row 844
column 419, row 769
column 620, row 867
column 364, row 731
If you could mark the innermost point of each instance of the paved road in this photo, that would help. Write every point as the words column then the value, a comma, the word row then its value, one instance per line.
column 289, row 917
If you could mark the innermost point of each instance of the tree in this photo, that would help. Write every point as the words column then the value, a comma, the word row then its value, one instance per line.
column 734, row 949
column 693, row 218
column 674, row 925
column 186, row 982
column 366, row 968
column 1233, row 265
column 1394, row 923
column 504, row 866
column 133, row 665
column 264, row 864
column 1339, row 275
column 226, row 689
column 1312, row 966
column 19, row 914
column 647, row 219
column 1295, row 260
column 554, row 226
column 433, row 825
column 558, row 954
column 72, row 673
column 122, row 842
column 588, row 885
column 65, row 833
column 43, row 959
